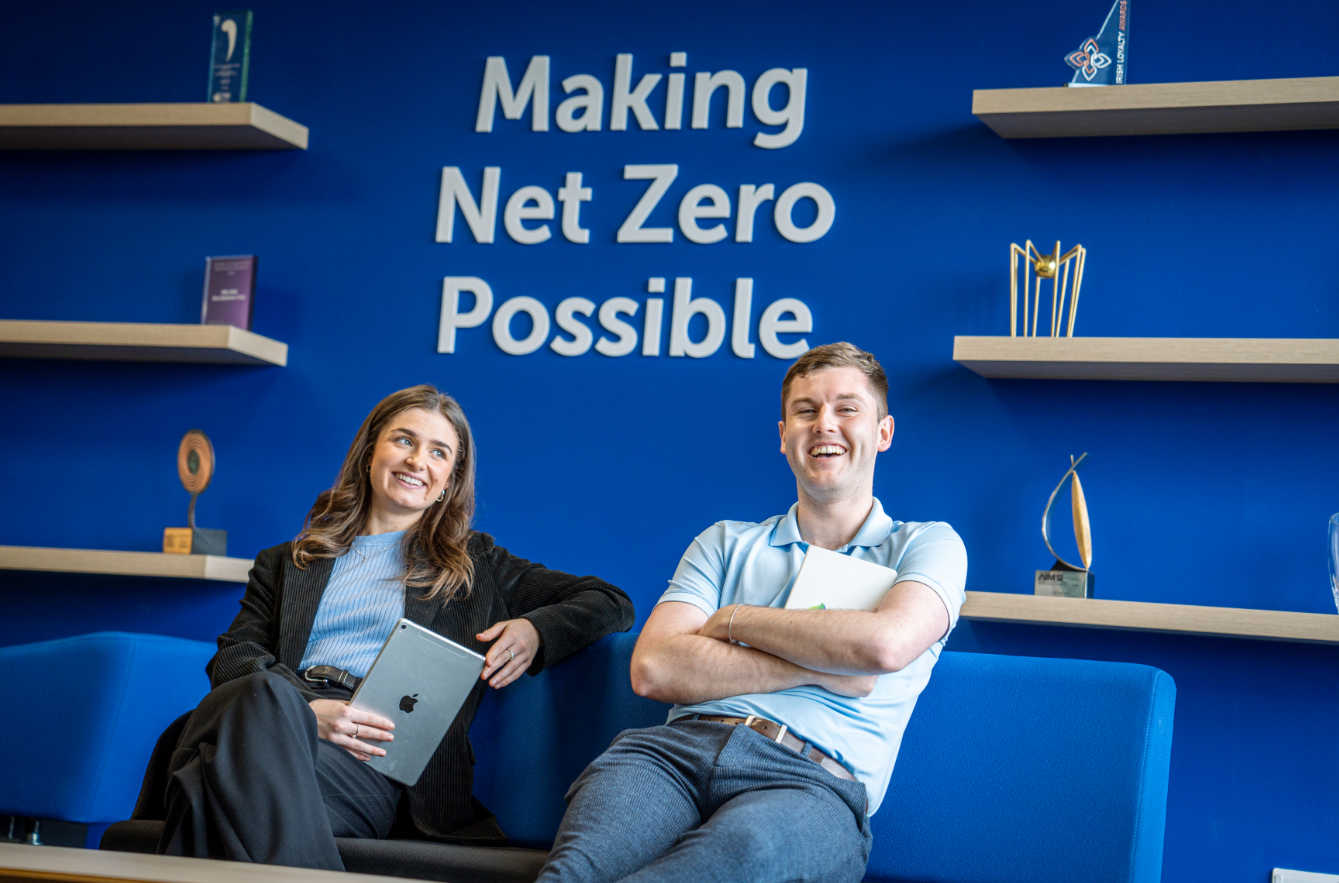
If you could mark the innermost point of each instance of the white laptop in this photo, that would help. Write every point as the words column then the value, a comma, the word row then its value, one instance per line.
column 832, row 581
column 418, row 681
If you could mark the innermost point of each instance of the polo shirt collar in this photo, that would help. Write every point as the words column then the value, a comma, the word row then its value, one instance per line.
column 874, row 532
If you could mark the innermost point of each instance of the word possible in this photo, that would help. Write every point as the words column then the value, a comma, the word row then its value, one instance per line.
column 705, row 201
column 581, row 338
column 584, row 111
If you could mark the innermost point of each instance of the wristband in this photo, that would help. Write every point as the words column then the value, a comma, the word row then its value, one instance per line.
column 730, row 629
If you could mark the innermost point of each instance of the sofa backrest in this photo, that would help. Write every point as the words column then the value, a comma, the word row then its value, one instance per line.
column 1012, row 769
column 96, row 704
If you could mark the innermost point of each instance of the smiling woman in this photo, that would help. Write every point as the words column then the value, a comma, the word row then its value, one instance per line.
column 391, row 539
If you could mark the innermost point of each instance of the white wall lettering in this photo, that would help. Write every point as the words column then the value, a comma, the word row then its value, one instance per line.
column 626, row 99
column 660, row 177
column 566, row 318
column 739, row 336
column 750, row 197
column 704, row 84
column 772, row 324
column 452, row 318
column 571, row 195
column 610, row 310
column 791, row 116
column 590, row 103
column 539, row 331
column 481, row 216
column 581, row 338
column 528, row 204
column 534, row 90
column 583, row 109
column 691, row 208
column 685, row 308
column 827, row 211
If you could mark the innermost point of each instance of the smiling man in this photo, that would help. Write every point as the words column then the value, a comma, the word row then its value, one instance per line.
column 786, row 723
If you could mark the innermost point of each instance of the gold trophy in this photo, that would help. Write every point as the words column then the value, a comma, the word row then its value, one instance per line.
column 195, row 467
column 1064, row 579
column 1051, row 266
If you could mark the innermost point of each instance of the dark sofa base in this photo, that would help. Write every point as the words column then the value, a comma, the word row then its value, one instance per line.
column 415, row 859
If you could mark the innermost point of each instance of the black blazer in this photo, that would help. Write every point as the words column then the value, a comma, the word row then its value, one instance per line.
column 570, row 612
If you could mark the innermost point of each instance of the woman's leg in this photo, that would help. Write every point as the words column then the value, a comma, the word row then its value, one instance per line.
column 250, row 779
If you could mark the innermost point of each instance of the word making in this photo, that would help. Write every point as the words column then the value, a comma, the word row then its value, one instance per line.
column 619, row 317
column 707, row 202
column 584, row 110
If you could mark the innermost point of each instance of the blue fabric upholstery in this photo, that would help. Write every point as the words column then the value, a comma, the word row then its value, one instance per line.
column 96, row 704
column 1012, row 769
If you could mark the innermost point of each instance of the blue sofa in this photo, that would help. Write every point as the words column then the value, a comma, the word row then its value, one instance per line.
column 1012, row 769
column 96, row 704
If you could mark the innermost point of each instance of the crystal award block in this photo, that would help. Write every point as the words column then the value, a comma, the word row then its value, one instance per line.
column 230, row 56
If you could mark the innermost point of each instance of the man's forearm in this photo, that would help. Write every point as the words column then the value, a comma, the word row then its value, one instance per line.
column 842, row 642
column 687, row 669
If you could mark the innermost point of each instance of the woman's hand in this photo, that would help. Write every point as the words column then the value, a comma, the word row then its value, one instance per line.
column 517, row 642
column 337, row 722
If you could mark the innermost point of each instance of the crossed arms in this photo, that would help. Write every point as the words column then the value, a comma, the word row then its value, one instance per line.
column 683, row 656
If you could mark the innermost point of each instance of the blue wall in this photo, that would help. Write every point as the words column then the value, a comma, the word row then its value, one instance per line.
column 1200, row 493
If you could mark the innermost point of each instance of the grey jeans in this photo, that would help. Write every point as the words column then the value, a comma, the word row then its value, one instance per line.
column 700, row 802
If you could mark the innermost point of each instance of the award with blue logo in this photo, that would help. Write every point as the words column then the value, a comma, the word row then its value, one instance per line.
column 230, row 56
column 1104, row 60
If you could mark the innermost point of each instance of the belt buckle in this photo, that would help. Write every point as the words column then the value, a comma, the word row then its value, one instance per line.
column 748, row 722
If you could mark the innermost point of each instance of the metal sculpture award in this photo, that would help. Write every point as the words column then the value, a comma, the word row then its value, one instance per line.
column 1064, row 579
column 195, row 468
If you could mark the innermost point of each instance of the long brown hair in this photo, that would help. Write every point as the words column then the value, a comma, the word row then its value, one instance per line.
column 434, row 548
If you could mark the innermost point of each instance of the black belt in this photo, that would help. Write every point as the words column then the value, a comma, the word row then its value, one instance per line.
column 329, row 675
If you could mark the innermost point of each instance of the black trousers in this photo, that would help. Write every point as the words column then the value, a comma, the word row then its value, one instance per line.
column 250, row 780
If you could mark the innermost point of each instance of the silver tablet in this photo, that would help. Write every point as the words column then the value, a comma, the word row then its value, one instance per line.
column 418, row 681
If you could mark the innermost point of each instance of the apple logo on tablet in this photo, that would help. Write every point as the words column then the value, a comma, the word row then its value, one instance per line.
column 407, row 703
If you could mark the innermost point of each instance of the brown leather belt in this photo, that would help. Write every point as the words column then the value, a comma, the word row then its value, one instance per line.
column 780, row 734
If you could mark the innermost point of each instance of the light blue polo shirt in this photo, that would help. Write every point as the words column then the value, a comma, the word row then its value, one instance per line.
column 739, row 562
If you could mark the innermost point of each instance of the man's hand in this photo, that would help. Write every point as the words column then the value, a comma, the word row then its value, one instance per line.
column 517, row 642
column 346, row 727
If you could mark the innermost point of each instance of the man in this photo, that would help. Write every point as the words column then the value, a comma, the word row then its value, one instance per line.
column 787, row 722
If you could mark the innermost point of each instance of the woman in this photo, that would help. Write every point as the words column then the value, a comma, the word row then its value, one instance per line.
column 269, row 767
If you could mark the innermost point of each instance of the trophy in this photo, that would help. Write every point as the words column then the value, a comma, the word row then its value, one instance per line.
column 195, row 467
column 1064, row 579
column 1104, row 60
column 1051, row 266
column 229, row 57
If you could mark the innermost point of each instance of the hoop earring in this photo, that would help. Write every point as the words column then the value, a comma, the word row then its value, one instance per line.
column 442, row 496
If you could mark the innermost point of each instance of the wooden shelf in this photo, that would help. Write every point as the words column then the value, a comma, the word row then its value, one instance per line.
column 138, row 342
column 239, row 126
column 1231, row 622
column 21, row 863
column 1253, row 360
column 215, row 567
column 1161, row 108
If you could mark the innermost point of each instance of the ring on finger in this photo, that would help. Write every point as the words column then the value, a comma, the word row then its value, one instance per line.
column 357, row 728
column 513, row 655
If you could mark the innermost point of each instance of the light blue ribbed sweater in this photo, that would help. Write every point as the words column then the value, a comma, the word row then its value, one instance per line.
column 361, row 604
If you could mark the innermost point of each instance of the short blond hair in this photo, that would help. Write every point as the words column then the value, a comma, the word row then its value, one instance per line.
column 839, row 355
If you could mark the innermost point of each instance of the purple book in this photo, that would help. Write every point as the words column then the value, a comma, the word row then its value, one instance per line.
column 230, row 286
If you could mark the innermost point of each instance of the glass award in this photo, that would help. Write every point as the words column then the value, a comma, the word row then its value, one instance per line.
column 230, row 56
column 1104, row 60
column 230, row 286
